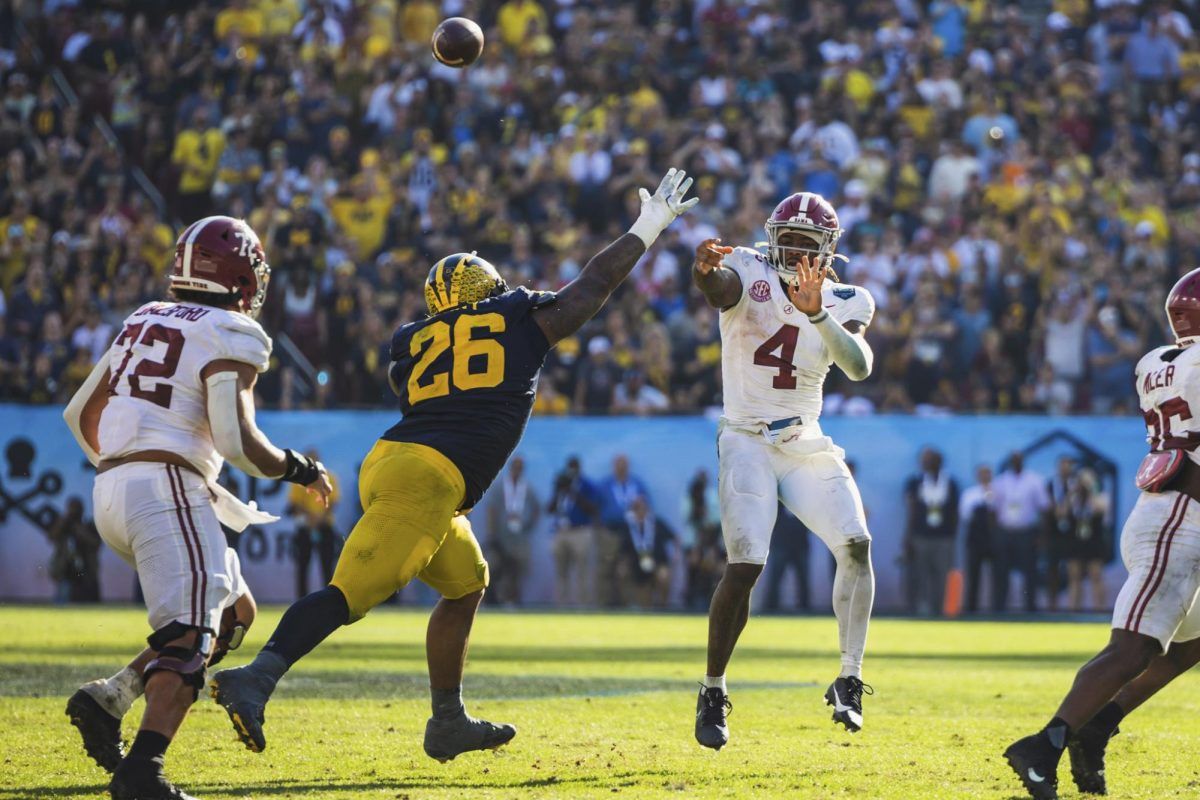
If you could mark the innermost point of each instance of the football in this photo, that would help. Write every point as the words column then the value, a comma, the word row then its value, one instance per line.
column 457, row 42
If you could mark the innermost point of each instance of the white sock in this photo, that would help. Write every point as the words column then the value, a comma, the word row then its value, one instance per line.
column 126, row 686
column 714, row 683
column 853, row 597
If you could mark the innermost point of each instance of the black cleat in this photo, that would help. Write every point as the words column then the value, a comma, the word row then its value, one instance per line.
column 1086, row 748
column 712, row 707
column 100, row 730
column 143, row 780
column 445, row 739
column 845, row 695
column 243, row 694
column 1035, row 761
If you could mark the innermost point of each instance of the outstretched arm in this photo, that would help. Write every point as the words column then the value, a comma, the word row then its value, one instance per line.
column 583, row 297
column 721, row 286
column 846, row 343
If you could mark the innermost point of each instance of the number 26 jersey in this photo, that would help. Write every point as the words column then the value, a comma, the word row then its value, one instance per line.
column 1168, row 387
column 466, row 379
column 157, row 399
column 773, row 362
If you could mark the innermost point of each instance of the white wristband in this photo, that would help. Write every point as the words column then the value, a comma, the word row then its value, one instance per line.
column 645, row 230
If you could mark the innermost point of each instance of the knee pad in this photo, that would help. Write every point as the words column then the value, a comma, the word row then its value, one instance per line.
column 190, row 663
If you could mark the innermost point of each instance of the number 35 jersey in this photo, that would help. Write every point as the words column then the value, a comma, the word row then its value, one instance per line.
column 157, row 399
column 773, row 362
column 466, row 379
column 1168, row 387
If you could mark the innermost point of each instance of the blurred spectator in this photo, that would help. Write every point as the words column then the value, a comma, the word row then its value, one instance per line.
column 932, row 500
column 575, row 504
column 1059, row 525
column 1000, row 175
column 1087, row 512
column 314, row 531
column 1020, row 500
column 617, row 493
column 977, row 512
column 644, row 561
column 789, row 551
column 74, row 560
column 512, row 514
column 704, row 550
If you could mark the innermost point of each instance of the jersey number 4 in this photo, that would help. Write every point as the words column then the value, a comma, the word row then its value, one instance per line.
column 160, row 393
column 485, row 355
column 783, row 340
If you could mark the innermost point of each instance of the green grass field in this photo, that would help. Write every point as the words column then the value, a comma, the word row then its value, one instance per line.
column 604, row 706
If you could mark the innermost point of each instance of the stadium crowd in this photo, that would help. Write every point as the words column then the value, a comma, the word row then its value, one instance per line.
column 1019, row 182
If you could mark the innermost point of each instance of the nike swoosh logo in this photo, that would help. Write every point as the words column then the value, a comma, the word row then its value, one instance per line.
column 837, row 703
column 1033, row 776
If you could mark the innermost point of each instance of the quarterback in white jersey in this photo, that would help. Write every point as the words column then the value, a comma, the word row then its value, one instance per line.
column 160, row 413
column 784, row 321
column 1156, row 619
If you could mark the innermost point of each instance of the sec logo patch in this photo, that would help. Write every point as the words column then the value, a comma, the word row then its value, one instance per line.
column 760, row 291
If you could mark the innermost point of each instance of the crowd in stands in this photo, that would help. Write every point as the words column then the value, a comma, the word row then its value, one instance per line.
column 1019, row 182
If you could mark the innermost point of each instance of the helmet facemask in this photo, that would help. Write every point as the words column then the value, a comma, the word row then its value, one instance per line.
column 788, row 241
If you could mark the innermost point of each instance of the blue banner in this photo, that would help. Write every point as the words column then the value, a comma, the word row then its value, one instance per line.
column 43, row 467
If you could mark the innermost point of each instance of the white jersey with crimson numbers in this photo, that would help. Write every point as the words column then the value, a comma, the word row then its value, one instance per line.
column 773, row 361
column 156, row 393
column 1168, row 387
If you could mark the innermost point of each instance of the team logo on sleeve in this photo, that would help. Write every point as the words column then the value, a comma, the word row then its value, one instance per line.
column 844, row 293
column 760, row 291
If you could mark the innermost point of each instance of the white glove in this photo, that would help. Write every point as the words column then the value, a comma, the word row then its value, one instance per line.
column 660, row 209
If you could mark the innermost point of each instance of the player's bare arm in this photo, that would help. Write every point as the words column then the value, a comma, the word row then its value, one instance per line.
column 721, row 286
column 230, row 387
column 847, row 344
column 583, row 297
column 82, row 413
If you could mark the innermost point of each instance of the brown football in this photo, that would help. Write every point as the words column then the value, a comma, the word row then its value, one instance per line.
column 457, row 42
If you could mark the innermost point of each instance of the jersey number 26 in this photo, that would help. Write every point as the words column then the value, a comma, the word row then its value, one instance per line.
column 485, row 355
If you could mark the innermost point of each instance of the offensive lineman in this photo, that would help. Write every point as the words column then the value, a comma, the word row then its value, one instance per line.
column 466, row 377
column 1156, row 619
column 172, row 399
column 783, row 322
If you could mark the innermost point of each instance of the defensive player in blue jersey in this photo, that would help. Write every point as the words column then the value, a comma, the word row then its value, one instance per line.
column 466, row 378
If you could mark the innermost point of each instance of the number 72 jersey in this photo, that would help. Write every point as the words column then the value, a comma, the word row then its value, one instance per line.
column 773, row 362
column 466, row 379
column 157, row 399
column 1168, row 386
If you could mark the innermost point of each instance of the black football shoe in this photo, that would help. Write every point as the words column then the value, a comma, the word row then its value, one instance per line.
column 1086, row 748
column 845, row 695
column 243, row 693
column 1035, row 761
column 446, row 739
column 712, row 708
column 100, row 730
column 138, row 779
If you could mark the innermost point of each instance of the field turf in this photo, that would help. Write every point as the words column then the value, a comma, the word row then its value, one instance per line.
column 604, row 707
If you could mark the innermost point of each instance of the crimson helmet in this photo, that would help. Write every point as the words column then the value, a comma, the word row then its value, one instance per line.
column 222, row 255
column 808, row 214
column 1183, row 308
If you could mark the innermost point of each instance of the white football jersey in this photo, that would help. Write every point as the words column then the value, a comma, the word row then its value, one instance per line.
column 773, row 362
column 1168, row 386
column 156, row 396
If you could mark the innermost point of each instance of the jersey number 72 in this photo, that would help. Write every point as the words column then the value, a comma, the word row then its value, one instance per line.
column 138, row 333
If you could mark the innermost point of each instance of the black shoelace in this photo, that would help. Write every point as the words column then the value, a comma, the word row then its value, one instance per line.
column 855, row 688
column 715, row 712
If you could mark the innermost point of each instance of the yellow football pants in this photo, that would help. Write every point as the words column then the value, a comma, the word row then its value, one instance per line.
column 410, row 494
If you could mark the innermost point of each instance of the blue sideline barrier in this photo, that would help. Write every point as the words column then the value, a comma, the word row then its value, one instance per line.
column 42, row 467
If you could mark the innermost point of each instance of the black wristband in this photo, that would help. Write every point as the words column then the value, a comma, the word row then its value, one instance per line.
column 819, row 316
column 300, row 468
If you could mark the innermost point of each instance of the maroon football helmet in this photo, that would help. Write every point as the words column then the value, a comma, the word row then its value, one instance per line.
column 222, row 255
column 814, row 218
column 1183, row 308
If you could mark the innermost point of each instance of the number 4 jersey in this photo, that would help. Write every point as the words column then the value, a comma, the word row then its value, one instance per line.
column 773, row 362
column 466, row 379
column 157, row 399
